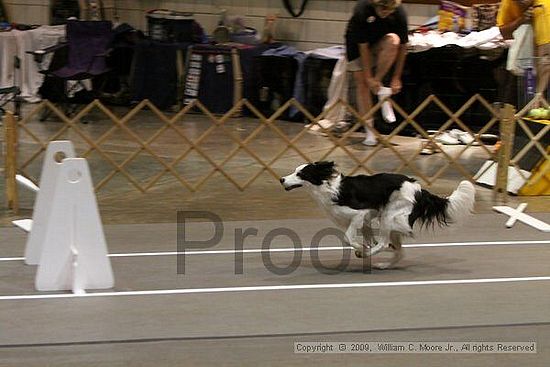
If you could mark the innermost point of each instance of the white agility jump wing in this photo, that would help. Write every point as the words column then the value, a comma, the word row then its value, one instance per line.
column 74, row 251
column 25, row 224
column 44, row 197
column 26, row 183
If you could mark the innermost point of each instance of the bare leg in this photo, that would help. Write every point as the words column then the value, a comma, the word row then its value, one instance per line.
column 363, row 99
column 363, row 96
column 543, row 67
column 386, row 50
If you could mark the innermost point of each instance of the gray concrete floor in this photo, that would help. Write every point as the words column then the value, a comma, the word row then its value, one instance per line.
column 258, row 327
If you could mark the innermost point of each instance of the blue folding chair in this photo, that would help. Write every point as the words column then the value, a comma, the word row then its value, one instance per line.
column 87, row 47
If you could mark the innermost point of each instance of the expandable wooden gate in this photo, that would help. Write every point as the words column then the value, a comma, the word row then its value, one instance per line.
column 193, row 142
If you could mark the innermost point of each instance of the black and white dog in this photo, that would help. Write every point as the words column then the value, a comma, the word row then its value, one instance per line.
column 397, row 201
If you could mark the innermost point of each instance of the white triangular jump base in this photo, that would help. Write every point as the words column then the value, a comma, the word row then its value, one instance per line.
column 74, row 253
column 66, row 236
column 44, row 198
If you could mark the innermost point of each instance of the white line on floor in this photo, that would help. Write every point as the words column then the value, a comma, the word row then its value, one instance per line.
column 274, row 288
column 324, row 248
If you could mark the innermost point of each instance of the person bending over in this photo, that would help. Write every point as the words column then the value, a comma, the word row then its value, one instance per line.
column 376, row 42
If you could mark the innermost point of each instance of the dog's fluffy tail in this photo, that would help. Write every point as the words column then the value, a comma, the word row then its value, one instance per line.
column 431, row 209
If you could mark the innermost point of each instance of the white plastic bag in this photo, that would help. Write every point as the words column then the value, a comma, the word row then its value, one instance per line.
column 520, row 55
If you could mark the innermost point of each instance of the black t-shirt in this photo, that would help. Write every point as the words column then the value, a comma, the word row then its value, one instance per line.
column 366, row 27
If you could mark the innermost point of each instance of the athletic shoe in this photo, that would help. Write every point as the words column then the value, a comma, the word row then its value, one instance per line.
column 446, row 138
column 463, row 137
column 370, row 141
column 324, row 124
column 341, row 127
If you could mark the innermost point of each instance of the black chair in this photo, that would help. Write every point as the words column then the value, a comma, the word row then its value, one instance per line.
column 86, row 49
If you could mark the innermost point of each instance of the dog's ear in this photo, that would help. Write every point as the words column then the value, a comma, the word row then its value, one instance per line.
column 325, row 164
column 317, row 172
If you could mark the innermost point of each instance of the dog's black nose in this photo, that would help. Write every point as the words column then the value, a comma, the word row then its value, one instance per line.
column 282, row 180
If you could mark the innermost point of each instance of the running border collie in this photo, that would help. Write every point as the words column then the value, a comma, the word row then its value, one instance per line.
column 397, row 201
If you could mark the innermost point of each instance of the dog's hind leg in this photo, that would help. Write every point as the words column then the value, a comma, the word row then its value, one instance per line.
column 393, row 223
column 401, row 224
column 397, row 252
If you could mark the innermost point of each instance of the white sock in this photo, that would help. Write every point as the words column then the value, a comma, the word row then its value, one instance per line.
column 387, row 109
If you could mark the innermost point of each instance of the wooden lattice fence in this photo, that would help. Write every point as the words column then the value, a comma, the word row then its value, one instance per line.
column 503, row 120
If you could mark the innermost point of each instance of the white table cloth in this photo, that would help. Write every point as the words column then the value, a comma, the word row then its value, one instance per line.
column 17, row 43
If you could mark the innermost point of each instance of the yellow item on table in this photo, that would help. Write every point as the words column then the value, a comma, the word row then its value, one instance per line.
column 539, row 121
column 539, row 182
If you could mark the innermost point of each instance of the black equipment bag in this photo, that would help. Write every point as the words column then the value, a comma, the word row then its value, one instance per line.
column 276, row 78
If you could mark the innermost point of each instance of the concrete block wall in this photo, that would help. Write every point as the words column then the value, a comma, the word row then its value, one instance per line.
column 322, row 24
column 28, row 11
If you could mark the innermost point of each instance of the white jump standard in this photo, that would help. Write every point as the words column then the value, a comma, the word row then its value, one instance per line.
column 66, row 238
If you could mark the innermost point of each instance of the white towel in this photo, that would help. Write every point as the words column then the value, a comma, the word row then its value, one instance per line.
column 476, row 39
column 338, row 89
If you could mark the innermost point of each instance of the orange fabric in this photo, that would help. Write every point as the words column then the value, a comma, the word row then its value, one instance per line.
column 509, row 11
column 541, row 22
